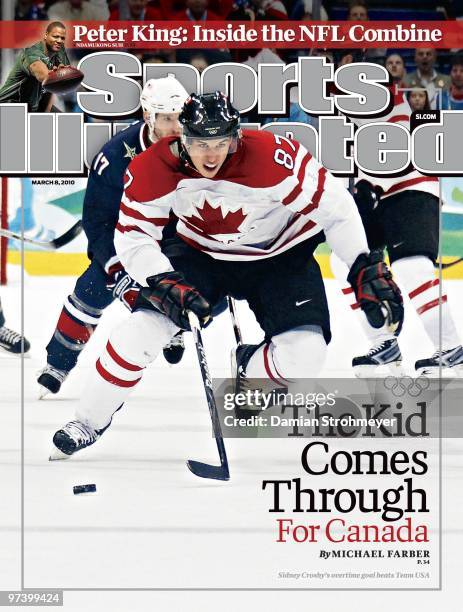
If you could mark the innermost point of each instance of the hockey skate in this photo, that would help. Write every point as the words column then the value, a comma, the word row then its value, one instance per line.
column 173, row 352
column 240, row 357
column 13, row 342
column 73, row 437
column 383, row 359
column 448, row 364
column 50, row 380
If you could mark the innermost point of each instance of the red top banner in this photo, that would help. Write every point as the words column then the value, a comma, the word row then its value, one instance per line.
column 234, row 35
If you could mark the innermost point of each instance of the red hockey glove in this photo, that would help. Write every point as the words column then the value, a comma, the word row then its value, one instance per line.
column 378, row 295
column 172, row 295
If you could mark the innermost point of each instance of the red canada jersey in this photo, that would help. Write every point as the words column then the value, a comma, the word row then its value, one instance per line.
column 400, row 114
column 267, row 197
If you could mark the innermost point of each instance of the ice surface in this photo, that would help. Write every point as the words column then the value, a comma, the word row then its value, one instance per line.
column 153, row 524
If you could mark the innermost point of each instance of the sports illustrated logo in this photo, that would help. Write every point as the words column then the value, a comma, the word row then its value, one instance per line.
column 406, row 384
column 365, row 93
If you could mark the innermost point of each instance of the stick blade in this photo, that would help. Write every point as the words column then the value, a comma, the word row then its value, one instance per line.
column 204, row 470
column 68, row 236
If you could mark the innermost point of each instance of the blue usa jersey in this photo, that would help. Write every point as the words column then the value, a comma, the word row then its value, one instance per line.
column 104, row 190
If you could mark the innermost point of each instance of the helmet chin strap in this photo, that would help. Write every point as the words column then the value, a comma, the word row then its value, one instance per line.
column 184, row 156
column 152, row 133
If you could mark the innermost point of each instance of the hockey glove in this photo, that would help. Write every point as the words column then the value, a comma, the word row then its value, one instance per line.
column 378, row 295
column 122, row 286
column 365, row 197
column 172, row 295
column 367, row 200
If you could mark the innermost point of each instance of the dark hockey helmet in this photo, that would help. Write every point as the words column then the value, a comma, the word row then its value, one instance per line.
column 209, row 116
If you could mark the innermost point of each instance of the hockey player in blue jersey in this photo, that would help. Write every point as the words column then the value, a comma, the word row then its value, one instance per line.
column 105, row 279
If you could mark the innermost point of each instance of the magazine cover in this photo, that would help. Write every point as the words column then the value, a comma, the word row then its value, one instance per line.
column 231, row 263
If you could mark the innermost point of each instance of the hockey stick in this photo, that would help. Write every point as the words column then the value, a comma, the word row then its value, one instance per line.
column 449, row 264
column 57, row 243
column 204, row 470
column 234, row 319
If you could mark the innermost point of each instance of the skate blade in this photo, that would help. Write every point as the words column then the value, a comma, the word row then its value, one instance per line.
column 42, row 392
column 447, row 373
column 380, row 371
column 57, row 455
column 7, row 353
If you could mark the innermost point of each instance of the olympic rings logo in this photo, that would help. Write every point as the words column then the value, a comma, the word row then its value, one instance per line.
column 406, row 384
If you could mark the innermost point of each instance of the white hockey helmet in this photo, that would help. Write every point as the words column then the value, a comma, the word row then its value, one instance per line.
column 164, row 95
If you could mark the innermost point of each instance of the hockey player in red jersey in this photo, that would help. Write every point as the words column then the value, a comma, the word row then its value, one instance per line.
column 401, row 213
column 251, row 209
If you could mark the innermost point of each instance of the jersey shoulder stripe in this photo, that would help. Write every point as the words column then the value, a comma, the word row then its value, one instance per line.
column 300, row 180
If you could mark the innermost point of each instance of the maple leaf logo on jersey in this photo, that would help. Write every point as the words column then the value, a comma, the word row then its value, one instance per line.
column 211, row 221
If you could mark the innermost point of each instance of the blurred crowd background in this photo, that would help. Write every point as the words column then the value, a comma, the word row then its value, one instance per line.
column 434, row 78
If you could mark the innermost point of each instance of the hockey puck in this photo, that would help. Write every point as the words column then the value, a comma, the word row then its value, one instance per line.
column 87, row 488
